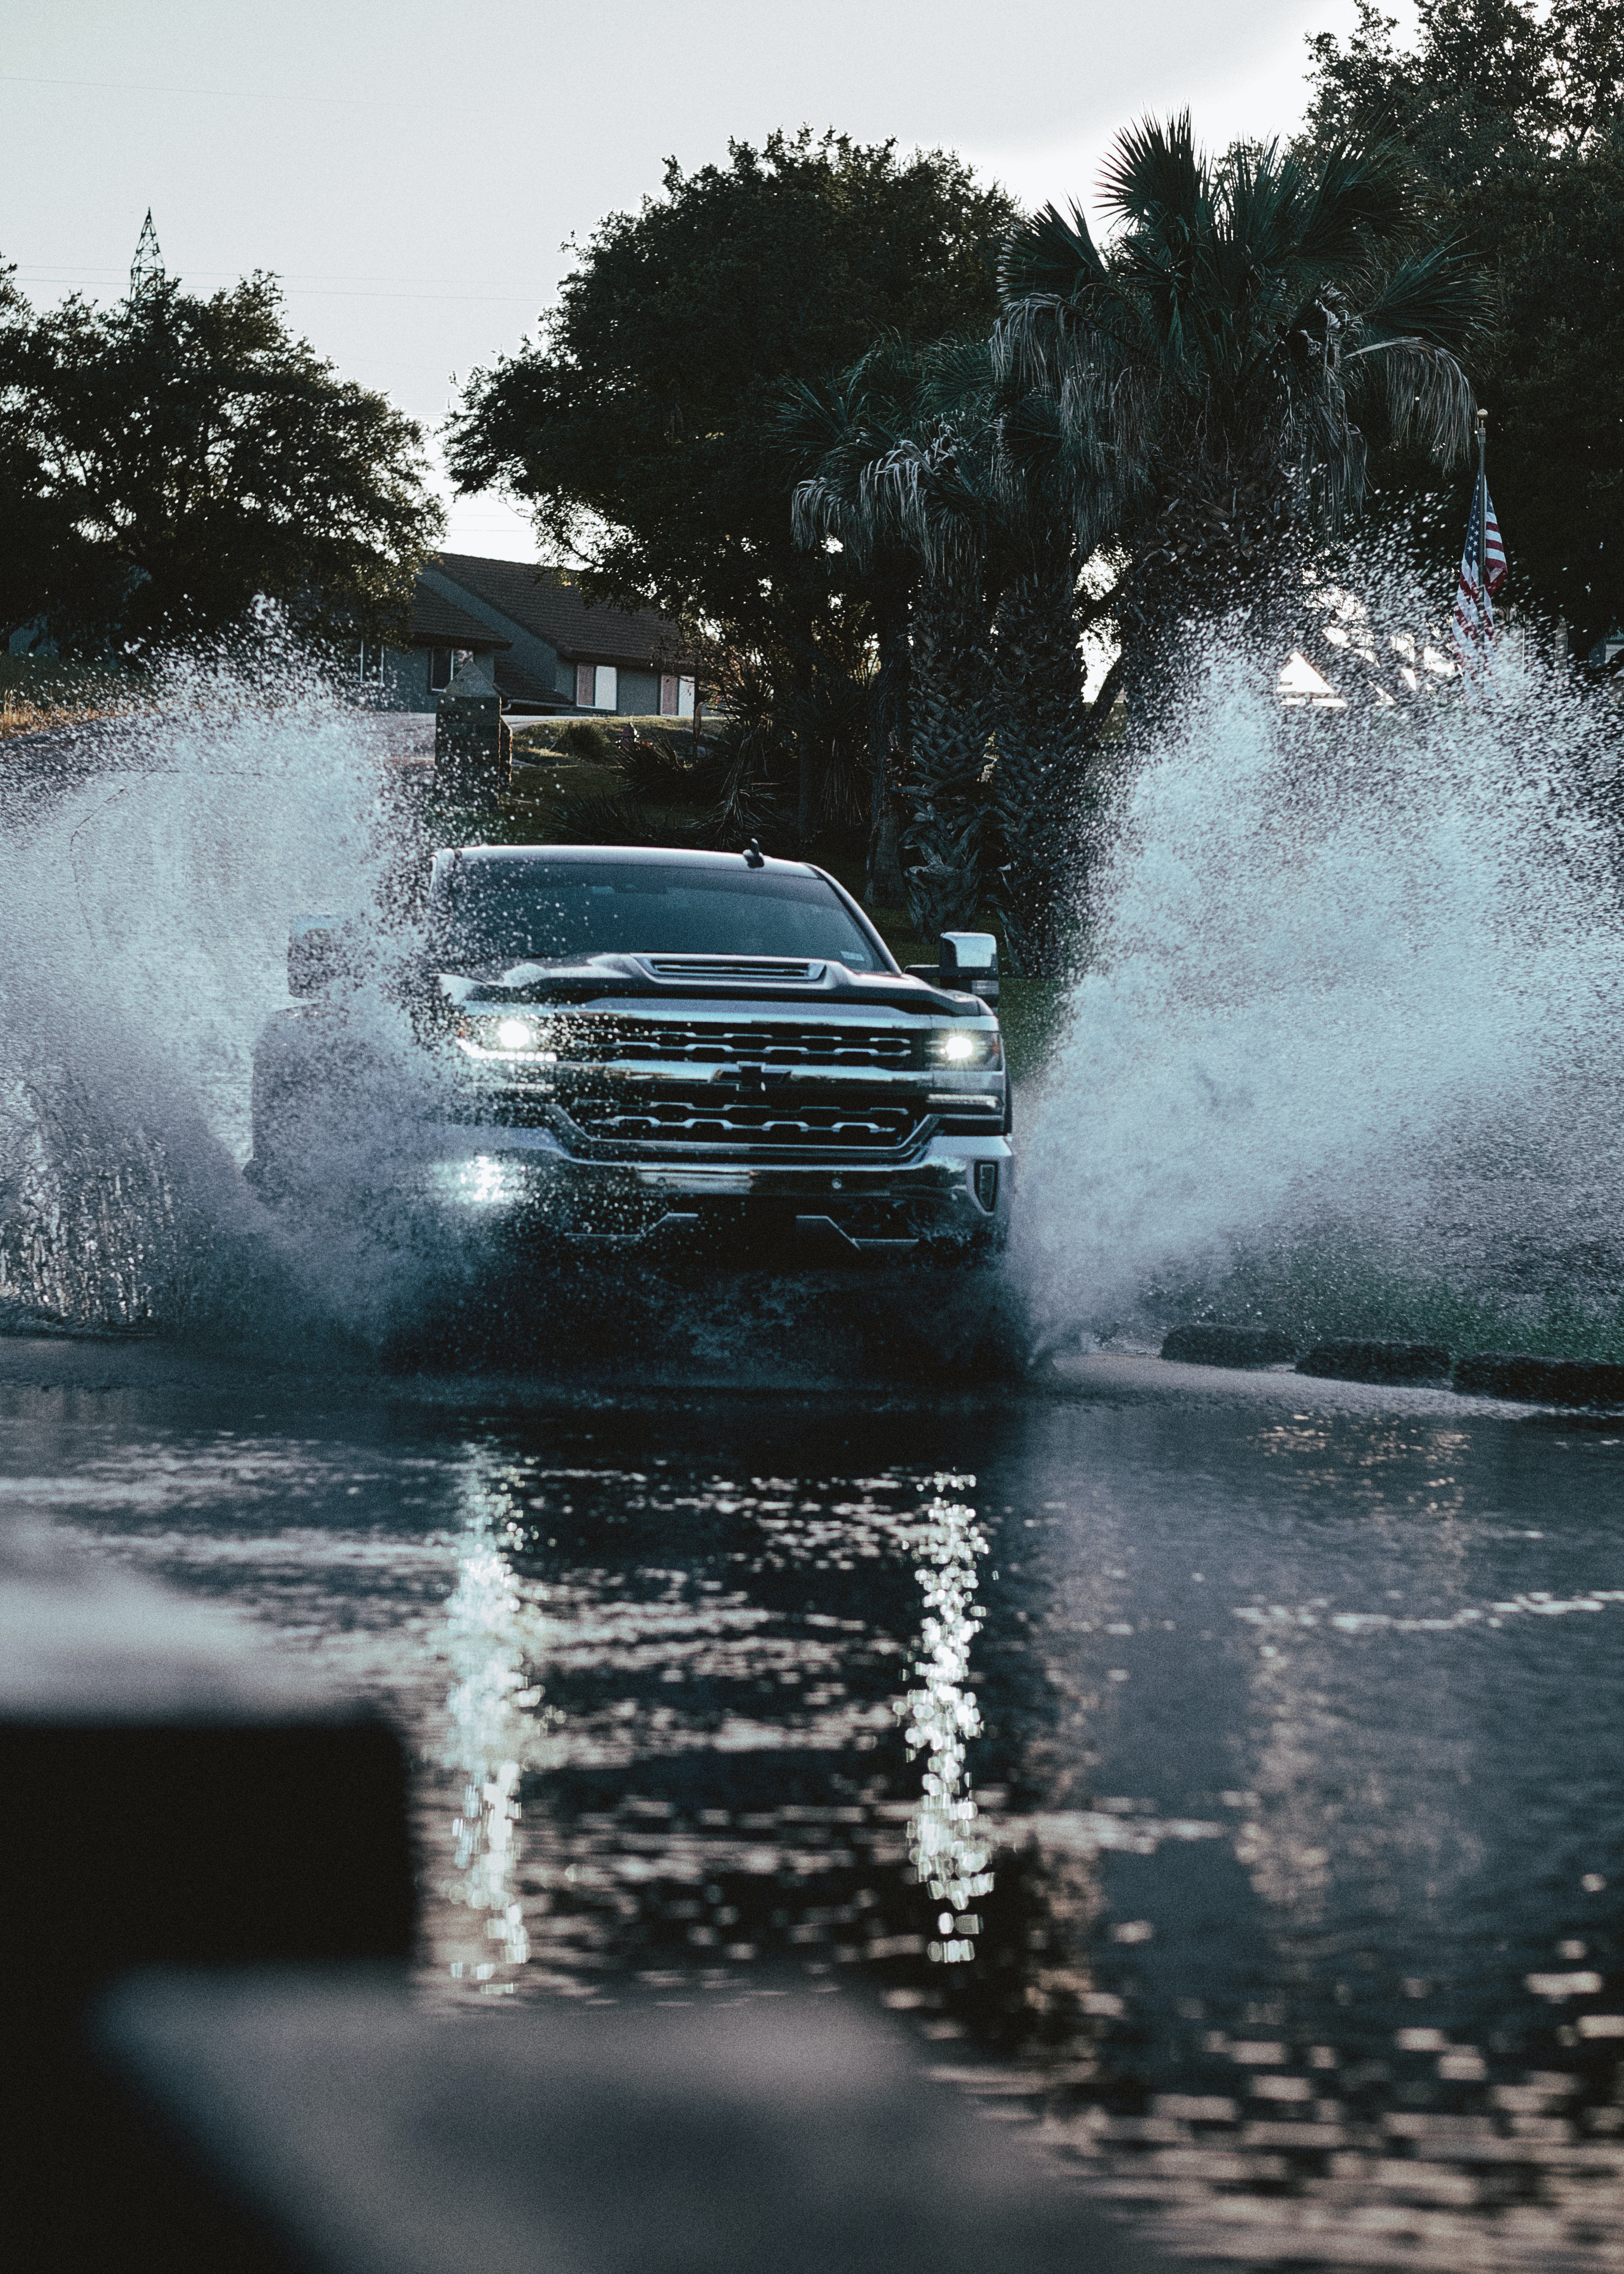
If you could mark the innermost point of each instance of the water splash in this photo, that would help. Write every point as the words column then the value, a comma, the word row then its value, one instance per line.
column 1351, row 970
column 1356, row 979
column 150, row 867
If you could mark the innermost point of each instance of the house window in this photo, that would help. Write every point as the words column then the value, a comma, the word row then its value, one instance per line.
column 444, row 663
column 597, row 687
column 585, row 686
column 676, row 695
column 685, row 698
column 370, row 671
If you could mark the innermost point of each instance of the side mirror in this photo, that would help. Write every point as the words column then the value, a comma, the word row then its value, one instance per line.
column 315, row 954
column 968, row 961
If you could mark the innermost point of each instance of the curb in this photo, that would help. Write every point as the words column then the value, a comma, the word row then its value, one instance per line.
column 1414, row 1366
column 1541, row 1381
column 1216, row 1346
column 1592, row 1385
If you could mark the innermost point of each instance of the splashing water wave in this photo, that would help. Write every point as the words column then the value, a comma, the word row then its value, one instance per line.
column 1354, row 1008
column 150, row 869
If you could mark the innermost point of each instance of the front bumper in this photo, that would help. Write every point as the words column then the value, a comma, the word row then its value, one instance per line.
column 952, row 1186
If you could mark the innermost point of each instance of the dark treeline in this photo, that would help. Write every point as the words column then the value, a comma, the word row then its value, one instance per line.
column 171, row 461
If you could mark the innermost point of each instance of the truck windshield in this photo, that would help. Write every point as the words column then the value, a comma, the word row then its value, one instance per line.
column 532, row 911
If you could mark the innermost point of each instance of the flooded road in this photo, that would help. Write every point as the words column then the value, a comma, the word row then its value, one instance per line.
column 1226, row 1777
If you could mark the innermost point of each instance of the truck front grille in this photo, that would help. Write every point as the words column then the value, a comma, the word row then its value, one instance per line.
column 707, row 1041
column 752, row 1123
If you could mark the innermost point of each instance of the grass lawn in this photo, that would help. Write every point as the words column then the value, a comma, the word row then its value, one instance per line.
column 37, row 692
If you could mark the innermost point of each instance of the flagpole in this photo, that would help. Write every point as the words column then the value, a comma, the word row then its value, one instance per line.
column 1483, row 514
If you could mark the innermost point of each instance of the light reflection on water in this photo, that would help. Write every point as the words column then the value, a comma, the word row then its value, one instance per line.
column 948, row 1855
column 494, row 1722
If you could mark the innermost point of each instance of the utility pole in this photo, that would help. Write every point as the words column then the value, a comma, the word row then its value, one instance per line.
column 1483, row 515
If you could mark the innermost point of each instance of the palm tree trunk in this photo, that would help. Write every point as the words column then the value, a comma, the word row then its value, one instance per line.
column 1038, row 781
column 952, row 681
column 888, row 743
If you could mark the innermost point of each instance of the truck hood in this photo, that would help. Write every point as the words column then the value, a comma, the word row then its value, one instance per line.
column 814, row 981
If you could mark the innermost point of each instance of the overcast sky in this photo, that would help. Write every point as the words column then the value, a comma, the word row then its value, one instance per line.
column 412, row 171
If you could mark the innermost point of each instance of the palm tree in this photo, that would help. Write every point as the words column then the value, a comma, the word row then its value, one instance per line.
column 1208, row 369
column 944, row 486
column 834, row 436
column 1016, row 490
column 879, row 475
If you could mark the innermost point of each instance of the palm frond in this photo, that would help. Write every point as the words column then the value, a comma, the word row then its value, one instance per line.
column 888, row 378
column 811, row 420
column 1259, row 197
column 1049, row 256
column 1155, row 177
column 818, row 510
column 957, row 377
column 1362, row 202
column 1430, row 398
column 1029, row 340
column 1030, row 434
column 1439, row 294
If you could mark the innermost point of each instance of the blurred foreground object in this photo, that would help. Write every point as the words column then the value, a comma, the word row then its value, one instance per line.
column 786, row 2133
column 170, row 1791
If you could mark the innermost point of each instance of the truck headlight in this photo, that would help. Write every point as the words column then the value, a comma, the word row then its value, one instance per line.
column 506, row 1037
column 968, row 1046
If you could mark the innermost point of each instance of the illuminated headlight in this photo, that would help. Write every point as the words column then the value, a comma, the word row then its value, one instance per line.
column 485, row 1181
column 505, row 1038
column 968, row 1047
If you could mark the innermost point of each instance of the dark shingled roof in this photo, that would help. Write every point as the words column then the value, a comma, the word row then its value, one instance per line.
column 439, row 622
column 548, row 602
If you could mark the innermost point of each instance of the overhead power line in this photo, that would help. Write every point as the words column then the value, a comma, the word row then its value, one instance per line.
column 204, row 94
column 293, row 291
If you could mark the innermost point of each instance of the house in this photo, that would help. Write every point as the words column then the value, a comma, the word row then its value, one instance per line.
column 548, row 651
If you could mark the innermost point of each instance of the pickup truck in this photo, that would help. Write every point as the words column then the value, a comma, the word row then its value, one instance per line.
column 600, row 1039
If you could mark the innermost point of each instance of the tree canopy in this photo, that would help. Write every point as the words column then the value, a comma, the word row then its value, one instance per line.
column 167, row 461
column 1216, row 356
column 1514, row 117
column 1492, row 86
column 641, row 427
column 1192, row 395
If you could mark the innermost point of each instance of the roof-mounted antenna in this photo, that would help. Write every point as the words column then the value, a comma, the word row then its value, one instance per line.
column 754, row 857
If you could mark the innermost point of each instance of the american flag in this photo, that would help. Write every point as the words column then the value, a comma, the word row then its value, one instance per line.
column 1473, row 609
